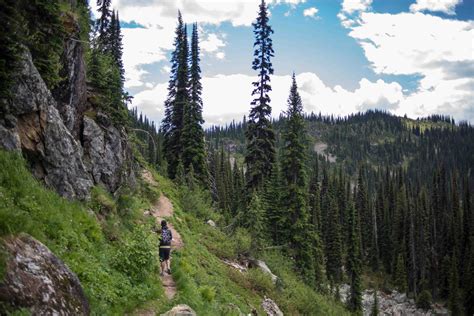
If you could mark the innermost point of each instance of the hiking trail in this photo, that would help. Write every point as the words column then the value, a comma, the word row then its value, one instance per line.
column 163, row 209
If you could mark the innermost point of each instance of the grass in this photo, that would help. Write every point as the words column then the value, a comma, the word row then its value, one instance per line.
column 212, row 288
column 92, row 239
column 108, row 243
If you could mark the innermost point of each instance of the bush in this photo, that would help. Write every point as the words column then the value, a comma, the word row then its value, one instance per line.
column 260, row 281
column 136, row 257
column 242, row 241
column 208, row 293
column 424, row 300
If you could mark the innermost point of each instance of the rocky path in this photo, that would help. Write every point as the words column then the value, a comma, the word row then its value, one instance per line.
column 163, row 209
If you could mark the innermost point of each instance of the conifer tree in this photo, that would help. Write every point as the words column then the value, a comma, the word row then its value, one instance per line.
column 295, row 196
column 103, row 22
column 333, row 243
column 115, row 46
column 177, row 99
column 254, row 221
column 375, row 307
column 260, row 136
column 354, row 264
column 194, row 152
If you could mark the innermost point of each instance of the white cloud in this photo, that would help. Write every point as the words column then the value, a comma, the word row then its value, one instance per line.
column 439, row 50
column 316, row 95
column 220, row 55
column 311, row 12
column 351, row 6
column 446, row 6
column 213, row 44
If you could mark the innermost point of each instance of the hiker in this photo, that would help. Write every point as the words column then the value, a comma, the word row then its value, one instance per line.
column 165, row 248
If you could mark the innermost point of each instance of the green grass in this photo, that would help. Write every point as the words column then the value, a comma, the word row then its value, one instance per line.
column 93, row 239
column 212, row 288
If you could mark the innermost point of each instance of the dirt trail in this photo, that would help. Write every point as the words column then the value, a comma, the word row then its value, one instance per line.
column 163, row 209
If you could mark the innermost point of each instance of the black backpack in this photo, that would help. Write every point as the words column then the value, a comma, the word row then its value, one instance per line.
column 166, row 236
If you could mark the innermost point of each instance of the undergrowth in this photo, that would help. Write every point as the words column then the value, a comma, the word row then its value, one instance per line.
column 101, row 241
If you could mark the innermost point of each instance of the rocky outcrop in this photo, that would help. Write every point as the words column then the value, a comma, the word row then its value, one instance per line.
column 66, row 150
column 54, row 154
column 180, row 310
column 271, row 308
column 71, row 94
column 392, row 304
column 37, row 280
column 105, row 152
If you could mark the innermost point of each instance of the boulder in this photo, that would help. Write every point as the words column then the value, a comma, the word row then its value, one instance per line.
column 180, row 310
column 39, row 281
column 263, row 266
column 271, row 308
column 211, row 223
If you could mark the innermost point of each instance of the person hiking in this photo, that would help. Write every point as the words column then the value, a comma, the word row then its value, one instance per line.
column 165, row 248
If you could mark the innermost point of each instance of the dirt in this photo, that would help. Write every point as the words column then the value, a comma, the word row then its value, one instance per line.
column 163, row 209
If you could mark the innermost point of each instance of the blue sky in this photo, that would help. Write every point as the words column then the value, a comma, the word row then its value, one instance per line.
column 413, row 57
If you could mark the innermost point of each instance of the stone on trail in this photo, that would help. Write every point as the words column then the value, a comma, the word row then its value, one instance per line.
column 180, row 310
column 271, row 308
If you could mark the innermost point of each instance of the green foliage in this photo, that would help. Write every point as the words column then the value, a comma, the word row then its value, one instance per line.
column 73, row 233
column 424, row 300
column 254, row 221
column 208, row 293
column 375, row 307
column 3, row 262
column 242, row 242
column 260, row 281
column 260, row 153
column 136, row 256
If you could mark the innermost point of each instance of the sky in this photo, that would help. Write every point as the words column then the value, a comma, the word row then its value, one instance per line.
column 408, row 57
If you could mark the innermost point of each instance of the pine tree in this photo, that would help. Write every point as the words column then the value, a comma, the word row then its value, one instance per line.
column 103, row 22
column 375, row 307
column 400, row 274
column 115, row 46
column 194, row 152
column 177, row 100
column 333, row 242
column 260, row 136
column 354, row 264
column 9, row 45
column 455, row 301
column 254, row 221
column 295, row 196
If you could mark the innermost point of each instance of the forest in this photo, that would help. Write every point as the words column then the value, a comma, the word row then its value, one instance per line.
column 371, row 200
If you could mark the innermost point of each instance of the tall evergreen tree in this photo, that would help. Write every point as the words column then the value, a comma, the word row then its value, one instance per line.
column 260, row 136
column 354, row 264
column 194, row 152
column 115, row 46
column 103, row 22
column 177, row 100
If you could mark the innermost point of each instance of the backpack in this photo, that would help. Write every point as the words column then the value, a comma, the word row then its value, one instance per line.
column 166, row 236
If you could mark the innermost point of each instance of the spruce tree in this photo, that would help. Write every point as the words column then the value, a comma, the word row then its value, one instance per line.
column 254, row 221
column 194, row 152
column 354, row 264
column 295, row 196
column 260, row 136
column 177, row 99
column 333, row 242
column 115, row 46
column 103, row 22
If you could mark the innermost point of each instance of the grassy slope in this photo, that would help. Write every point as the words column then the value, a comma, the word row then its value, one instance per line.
column 108, row 244
column 211, row 287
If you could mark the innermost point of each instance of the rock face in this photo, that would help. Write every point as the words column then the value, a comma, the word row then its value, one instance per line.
column 392, row 304
column 180, row 310
column 36, row 279
column 66, row 150
column 271, row 308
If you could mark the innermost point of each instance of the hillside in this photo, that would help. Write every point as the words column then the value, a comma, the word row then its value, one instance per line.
column 109, row 243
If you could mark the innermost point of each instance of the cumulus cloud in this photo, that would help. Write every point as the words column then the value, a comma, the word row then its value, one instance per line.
column 228, row 97
column 351, row 6
column 213, row 44
column 311, row 12
column 437, row 49
column 446, row 6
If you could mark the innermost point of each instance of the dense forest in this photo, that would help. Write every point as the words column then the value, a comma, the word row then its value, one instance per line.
column 370, row 200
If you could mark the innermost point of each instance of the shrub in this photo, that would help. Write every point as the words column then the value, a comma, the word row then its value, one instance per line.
column 208, row 293
column 242, row 241
column 136, row 257
column 424, row 300
column 260, row 281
